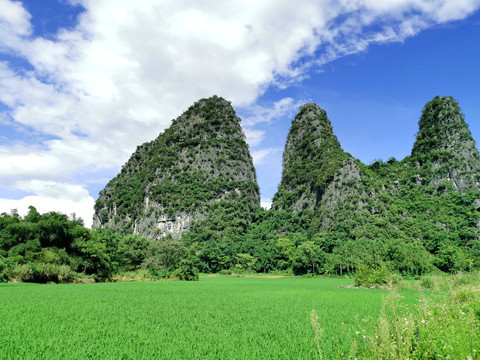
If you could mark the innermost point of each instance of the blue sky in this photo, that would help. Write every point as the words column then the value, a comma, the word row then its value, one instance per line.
column 374, row 98
column 83, row 82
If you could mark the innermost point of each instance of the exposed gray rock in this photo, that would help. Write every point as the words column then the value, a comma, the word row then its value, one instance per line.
column 445, row 147
column 177, row 179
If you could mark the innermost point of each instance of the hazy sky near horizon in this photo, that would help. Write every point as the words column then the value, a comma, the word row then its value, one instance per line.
column 83, row 82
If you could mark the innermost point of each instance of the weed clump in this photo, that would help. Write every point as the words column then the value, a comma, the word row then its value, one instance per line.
column 443, row 325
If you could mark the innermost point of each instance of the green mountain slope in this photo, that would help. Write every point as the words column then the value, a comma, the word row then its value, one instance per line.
column 331, row 213
column 200, row 164
column 412, row 214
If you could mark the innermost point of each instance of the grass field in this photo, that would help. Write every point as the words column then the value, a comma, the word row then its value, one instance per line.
column 214, row 318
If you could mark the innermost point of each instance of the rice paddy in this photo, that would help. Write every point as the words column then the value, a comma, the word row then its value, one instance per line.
column 214, row 318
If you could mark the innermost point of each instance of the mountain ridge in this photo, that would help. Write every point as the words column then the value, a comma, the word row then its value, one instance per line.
column 414, row 214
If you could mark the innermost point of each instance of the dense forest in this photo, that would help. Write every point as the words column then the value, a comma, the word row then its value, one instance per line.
column 188, row 202
column 51, row 248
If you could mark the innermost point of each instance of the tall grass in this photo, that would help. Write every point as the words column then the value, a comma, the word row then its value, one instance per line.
column 443, row 325
column 317, row 332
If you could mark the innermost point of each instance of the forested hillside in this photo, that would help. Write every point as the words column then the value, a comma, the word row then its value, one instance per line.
column 188, row 201
column 412, row 215
column 199, row 169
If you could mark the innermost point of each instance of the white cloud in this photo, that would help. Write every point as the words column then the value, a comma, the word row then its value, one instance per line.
column 14, row 22
column 54, row 190
column 255, row 114
column 254, row 137
column 260, row 156
column 266, row 203
column 126, row 69
column 51, row 196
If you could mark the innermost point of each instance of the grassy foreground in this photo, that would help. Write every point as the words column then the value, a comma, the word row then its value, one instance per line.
column 228, row 318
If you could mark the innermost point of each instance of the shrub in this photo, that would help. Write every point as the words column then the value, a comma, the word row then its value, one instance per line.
column 23, row 273
column 427, row 282
column 367, row 276
column 6, row 269
column 445, row 325
column 43, row 273
column 187, row 271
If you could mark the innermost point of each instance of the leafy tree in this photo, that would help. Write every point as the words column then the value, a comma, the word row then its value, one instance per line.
column 308, row 258
column 132, row 251
column 245, row 261
column 164, row 255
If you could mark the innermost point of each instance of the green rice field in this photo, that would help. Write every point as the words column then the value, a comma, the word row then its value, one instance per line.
column 214, row 318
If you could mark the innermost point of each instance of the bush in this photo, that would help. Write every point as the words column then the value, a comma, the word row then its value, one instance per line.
column 450, row 259
column 23, row 273
column 187, row 271
column 427, row 282
column 368, row 277
column 446, row 326
column 128, row 276
column 6, row 269
column 43, row 273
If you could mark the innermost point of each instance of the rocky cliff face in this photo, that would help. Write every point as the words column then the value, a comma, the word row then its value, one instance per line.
column 176, row 179
column 311, row 160
column 444, row 146
column 399, row 199
column 198, row 175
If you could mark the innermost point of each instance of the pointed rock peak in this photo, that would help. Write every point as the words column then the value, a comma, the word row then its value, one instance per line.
column 312, row 114
column 311, row 158
column 444, row 147
column 199, row 166
column 441, row 110
column 213, row 110
column 442, row 127
column 311, row 128
column 214, row 101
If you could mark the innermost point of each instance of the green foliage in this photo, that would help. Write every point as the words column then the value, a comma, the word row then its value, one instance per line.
column 308, row 258
column 6, row 269
column 32, row 252
column 40, row 247
column 164, row 255
column 186, row 270
column 200, row 159
column 367, row 276
column 450, row 259
column 132, row 251
column 245, row 261
column 43, row 273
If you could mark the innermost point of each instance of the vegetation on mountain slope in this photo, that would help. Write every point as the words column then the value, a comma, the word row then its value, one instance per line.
column 189, row 200
column 200, row 160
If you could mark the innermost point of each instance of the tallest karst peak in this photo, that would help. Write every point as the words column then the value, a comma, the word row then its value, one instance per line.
column 200, row 165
